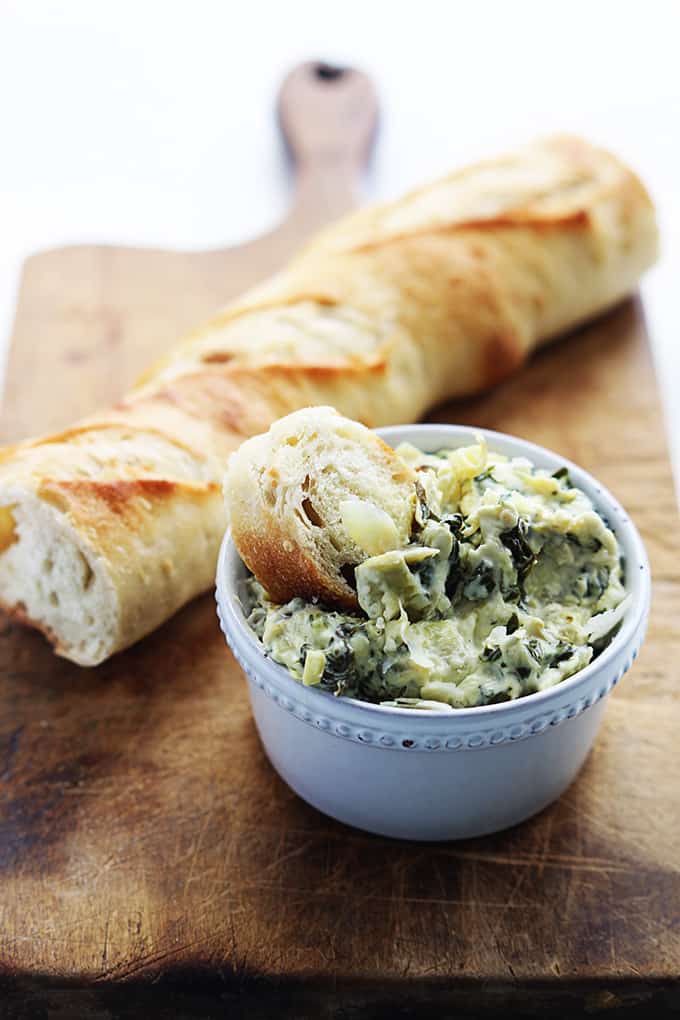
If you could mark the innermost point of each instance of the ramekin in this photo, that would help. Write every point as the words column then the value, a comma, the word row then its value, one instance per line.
column 414, row 774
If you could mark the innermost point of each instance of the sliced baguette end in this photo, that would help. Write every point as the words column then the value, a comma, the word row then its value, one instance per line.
column 286, row 493
column 51, row 581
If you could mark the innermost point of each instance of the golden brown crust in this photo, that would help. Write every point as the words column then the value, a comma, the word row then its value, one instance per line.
column 267, row 554
column 109, row 509
column 578, row 219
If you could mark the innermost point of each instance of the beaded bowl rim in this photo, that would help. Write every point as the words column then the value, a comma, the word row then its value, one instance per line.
column 234, row 624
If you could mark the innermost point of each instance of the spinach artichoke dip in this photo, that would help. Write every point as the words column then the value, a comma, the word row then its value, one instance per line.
column 511, row 582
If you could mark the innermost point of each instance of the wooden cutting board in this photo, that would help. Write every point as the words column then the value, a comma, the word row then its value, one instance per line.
column 150, row 856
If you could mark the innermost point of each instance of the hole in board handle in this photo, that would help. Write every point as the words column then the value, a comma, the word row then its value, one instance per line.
column 328, row 72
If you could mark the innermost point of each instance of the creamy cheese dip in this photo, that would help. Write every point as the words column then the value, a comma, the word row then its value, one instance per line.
column 511, row 582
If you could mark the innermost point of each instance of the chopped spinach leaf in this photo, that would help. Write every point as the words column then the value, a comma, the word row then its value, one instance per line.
column 453, row 576
column 589, row 544
column 596, row 583
column 482, row 582
column 534, row 650
column 512, row 624
column 455, row 523
column 562, row 654
column 422, row 511
column 491, row 654
column 424, row 571
column 340, row 670
column 515, row 541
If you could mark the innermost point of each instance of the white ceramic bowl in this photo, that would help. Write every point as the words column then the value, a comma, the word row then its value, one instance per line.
column 442, row 775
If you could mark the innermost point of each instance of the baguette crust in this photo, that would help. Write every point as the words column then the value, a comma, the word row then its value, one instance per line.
column 286, row 570
column 394, row 309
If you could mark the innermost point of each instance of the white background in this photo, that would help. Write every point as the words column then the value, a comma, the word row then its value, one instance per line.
column 151, row 122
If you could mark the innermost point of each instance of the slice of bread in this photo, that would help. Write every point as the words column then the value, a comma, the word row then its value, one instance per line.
column 313, row 497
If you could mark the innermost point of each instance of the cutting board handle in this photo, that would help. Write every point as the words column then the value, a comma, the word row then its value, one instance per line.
column 328, row 117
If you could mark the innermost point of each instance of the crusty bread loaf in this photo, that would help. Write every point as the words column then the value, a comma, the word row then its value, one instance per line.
column 309, row 499
column 109, row 527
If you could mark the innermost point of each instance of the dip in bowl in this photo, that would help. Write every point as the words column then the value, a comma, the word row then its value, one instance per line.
column 415, row 756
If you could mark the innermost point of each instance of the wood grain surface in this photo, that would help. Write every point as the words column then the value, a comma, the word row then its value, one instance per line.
column 149, row 855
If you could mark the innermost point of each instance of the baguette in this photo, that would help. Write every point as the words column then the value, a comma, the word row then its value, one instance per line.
column 309, row 499
column 108, row 527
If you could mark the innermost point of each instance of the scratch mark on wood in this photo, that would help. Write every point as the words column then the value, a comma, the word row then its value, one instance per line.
column 9, row 753
column 196, row 850
column 545, row 843
column 106, row 942
column 127, row 968
column 534, row 860
column 510, row 903
column 282, row 858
